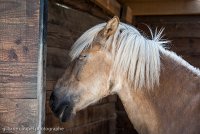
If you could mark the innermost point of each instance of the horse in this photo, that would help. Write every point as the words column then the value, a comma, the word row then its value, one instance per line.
column 159, row 90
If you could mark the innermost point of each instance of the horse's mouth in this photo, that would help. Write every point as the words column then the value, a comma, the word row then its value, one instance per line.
column 66, row 114
column 64, row 111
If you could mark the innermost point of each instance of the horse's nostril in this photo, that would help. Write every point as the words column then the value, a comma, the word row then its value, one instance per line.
column 62, row 107
column 67, row 105
column 67, row 111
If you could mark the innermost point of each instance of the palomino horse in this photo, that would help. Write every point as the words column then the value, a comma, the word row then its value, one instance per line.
column 159, row 90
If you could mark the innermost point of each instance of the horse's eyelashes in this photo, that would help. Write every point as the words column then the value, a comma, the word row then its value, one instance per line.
column 83, row 56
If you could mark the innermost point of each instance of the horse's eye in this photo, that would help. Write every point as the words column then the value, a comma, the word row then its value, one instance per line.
column 83, row 56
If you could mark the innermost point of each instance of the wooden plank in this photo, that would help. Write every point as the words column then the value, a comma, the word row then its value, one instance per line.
column 54, row 73
column 155, row 7
column 119, row 105
column 18, row 90
column 84, row 6
column 57, row 57
column 122, row 1
column 123, row 124
column 60, row 37
column 19, row 35
column 185, row 46
column 10, row 52
column 62, row 33
column 175, row 26
column 123, row 120
column 50, row 86
column 18, row 80
column 15, row 27
column 127, row 15
column 173, row 30
column 169, row 19
column 188, row 49
column 99, row 127
column 16, row 12
column 18, row 69
column 21, row 64
column 111, row 6
column 18, row 113
column 16, row 46
column 125, row 131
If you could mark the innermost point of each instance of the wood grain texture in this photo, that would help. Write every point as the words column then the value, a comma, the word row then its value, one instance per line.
column 183, row 31
column 111, row 6
column 127, row 15
column 163, row 7
column 19, row 32
column 58, row 57
column 123, row 124
column 191, row 46
column 98, row 127
column 123, row 120
column 18, row 113
column 19, row 39
column 18, row 80
column 175, row 26
column 62, row 33
column 84, row 6
column 17, row 24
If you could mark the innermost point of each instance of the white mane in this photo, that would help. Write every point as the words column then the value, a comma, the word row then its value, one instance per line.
column 134, row 55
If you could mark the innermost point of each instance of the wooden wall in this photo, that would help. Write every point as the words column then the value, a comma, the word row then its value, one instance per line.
column 123, row 124
column 184, row 33
column 65, row 25
column 20, row 46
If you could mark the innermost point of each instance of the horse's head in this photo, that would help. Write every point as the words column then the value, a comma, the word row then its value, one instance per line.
column 88, row 77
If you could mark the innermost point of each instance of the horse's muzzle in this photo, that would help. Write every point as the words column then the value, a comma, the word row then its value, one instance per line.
column 62, row 108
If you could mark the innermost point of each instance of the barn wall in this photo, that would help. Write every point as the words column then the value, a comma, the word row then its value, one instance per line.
column 21, row 87
column 184, row 32
column 123, row 124
column 65, row 25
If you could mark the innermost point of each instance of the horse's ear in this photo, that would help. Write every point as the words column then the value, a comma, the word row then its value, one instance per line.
column 111, row 26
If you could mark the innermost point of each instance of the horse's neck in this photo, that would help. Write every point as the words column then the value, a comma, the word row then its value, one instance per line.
column 173, row 107
column 140, row 110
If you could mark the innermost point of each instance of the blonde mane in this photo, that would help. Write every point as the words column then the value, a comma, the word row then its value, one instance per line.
column 134, row 55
